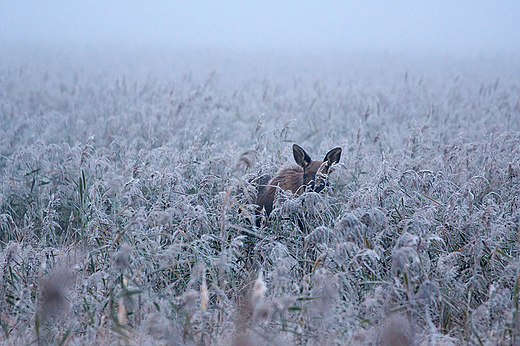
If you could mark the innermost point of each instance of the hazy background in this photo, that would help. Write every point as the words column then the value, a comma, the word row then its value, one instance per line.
column 424, row 27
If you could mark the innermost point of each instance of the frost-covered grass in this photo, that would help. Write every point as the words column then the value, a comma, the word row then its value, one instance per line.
column 128, row 177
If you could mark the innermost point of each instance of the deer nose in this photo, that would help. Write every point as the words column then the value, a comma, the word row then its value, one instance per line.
column 319, row 187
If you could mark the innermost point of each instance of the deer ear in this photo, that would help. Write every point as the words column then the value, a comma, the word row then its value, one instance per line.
column 300, row 156
column 333, row 156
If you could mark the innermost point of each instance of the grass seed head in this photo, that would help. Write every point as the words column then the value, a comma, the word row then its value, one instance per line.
column 53, row 292
column 396, row 331
column 123, row 257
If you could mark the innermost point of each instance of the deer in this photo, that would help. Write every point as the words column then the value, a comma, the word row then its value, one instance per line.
column 307, row 175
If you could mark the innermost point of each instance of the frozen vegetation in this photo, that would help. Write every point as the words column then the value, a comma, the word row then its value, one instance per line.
column 127, row 181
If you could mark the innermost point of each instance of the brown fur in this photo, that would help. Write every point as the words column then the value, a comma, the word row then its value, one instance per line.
column 309, row 174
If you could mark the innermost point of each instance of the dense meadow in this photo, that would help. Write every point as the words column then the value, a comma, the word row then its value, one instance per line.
column 128, row 179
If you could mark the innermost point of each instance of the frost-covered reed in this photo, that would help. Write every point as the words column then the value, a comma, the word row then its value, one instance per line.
column 128, row 180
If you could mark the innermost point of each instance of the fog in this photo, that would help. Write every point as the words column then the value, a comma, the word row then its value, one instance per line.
column 424, row 27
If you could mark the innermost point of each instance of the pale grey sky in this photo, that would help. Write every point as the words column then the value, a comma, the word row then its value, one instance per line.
column 395, row 26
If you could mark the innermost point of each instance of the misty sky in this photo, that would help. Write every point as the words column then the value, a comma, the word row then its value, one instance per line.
column 394, row 26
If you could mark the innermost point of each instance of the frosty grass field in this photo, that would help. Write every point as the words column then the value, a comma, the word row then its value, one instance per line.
column 128, row 179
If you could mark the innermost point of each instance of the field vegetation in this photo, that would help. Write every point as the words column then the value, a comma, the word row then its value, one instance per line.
column 127, row 182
